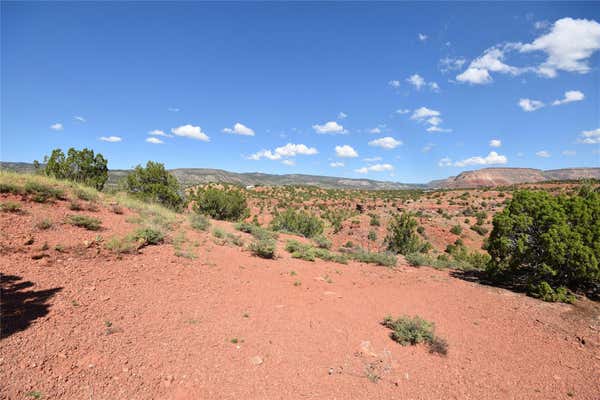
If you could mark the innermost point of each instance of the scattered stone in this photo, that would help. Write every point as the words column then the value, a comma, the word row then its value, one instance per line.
column 256, row 360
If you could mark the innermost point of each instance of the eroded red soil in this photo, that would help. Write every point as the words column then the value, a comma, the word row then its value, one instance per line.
column 90, row 325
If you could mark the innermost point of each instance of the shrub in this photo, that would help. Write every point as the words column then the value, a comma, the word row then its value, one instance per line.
column 154, row 183
column 264, row 248
column 415, row 330
column 401, row 236
column 83, row 221
column 374, row 220
column 542, row 240
column 479, row 229
column 86, row 194
column 256, row 231
column 124, row 245
column 44, row 224
column 385, row 259
column 545, row 292
column 310, row 253
column 199, row 222
column 298, row 222
column 7, row 187
column 456, row 229
column 11, row 206
column 41, row 193
column 81, row 166
column 229, row 205
column 322, row 242
column 149, row 236
column 218, row 233
column 75, row 206
column 372, row 236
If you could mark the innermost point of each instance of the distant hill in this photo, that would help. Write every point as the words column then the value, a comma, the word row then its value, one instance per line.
column 195, row 176
column 510, row 176
column 469, row 179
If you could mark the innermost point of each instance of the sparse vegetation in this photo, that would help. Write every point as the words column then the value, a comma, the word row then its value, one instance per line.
column 199, row 222
column 401, row 236
column 11, row 206
column 264, row 248
column 84, row 221
column 414, row 330
column 298, row 222
column 228, row 205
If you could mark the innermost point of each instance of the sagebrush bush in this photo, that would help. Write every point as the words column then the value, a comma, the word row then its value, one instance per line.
column 322, row 242
column 414, row 330
column 83, row 221
column 298, row 222
column 41, row 193
column 228, row 205
column 149, row 235
column 385, row 259
column 310, row 253
column 264, row 248
column 11, row 206
column 256, row 231
column 199, row 222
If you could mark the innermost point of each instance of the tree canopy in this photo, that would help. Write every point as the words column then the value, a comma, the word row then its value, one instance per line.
column 81, row 166
column 155, row 184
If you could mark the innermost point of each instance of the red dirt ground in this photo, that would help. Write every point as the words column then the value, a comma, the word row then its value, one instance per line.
column 172, row 321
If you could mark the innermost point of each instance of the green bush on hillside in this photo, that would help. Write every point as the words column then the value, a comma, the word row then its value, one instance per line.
column 81, row 166
column 298, row 222
column 229, row 205
column 154, row 183
column 545, row 241
column 402, row 237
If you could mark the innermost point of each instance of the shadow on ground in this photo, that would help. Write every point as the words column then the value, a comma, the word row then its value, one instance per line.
column 20, row 306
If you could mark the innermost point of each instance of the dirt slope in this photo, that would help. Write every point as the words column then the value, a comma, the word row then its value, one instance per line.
column 85, row 324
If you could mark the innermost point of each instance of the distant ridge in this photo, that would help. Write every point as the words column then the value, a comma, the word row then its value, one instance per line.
column 485, row 177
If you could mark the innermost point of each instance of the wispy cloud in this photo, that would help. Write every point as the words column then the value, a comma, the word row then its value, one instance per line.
column 57, row 127
column 154, row 140
column 543, row 154
column 375, row 168
column 79, row 118
column 111, row 139
column 336, row 164
column 387, row 143
column 495, row 143
column 590, row 137
column 530, row 105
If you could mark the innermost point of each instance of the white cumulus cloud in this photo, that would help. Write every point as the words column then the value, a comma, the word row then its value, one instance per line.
column 387, row 142
column 331, row 127
column 495, row 143
column 289, row 150
column 239, row 129
column 193, row 132
column 422, row 37
column 530, row 105
column 336, row 164
column 345, row 151
column 57, row 127
column 570, row 96
column 568, row 45
column 394, row 83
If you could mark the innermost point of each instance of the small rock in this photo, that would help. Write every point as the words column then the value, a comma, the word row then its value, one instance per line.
column 256, row 360
column 330, row 371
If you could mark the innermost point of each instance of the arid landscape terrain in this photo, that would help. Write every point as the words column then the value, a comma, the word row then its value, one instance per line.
column 198, row 315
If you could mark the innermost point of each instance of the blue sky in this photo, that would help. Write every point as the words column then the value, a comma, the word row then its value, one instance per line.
column 391, row 91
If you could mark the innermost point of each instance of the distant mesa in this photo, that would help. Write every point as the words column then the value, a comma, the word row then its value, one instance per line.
column 486, row 177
